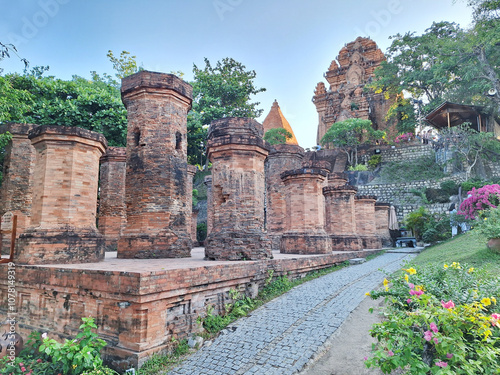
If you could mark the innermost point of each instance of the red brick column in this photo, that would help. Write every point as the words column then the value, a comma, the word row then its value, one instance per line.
column 17, row 185
column 191, row 170
column 210, row 206
column 281, row 158
column 382, row 223
column 365, row 221
column 63, row 219
column 237, row 152
column 112, row 216
column 157, row 197
column 305, row 212
column 340, row 214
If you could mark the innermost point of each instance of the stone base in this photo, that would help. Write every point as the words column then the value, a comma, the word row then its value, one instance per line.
column 371, row 242
column 59, row 246
column 275, row 241
column 386, row 241
column 238, row 246
column 304, row 243
column 346, row 243
column 154, row 246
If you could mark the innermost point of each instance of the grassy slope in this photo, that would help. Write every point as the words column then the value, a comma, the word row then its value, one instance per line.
column 464, row 248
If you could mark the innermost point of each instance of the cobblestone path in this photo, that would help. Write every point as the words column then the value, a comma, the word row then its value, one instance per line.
column 282, row 336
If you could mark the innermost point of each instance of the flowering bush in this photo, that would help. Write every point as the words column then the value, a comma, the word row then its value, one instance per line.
column 488, row 224
column 440, row 321
column 402, row 138
column 480, row 199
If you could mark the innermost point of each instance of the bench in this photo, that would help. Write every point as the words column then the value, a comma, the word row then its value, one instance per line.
column 406, row 242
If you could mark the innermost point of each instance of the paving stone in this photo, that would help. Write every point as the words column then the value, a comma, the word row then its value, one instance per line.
column 283, row 335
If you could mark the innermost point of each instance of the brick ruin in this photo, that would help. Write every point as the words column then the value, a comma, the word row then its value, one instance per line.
column 346, row 96
column 263, row 204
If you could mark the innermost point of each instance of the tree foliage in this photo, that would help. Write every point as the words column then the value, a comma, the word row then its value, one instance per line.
column 277, row 136
column 223, row 90
column 446, row 62
column 46, row 100
column 349, row 134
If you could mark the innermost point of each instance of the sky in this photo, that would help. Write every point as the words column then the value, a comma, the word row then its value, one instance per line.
column 289, row 43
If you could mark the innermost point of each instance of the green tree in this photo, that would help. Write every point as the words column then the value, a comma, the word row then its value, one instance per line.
column 46, row 100
column 6, row 49
column 223, row 90
column 349, row 134
column 277, row 136
column 124, row 65
column 446, row 62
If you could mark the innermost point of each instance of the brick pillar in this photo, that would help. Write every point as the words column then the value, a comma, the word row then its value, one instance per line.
column 194, row 226
column 112, row 213
column 63, row 218
column 281, row 158
column 305, row 212
column 16, row 193
column 191, row 170
column 237, row 152
column 382, row 223
column 156, row 183
column 365, row 221
column 340, row 213
column 210, row 207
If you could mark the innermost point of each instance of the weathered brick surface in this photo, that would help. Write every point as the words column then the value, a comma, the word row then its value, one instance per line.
column 365, row 221
column 157, row 184
column 346, row 98
column 112, row 216
column 281, row 158
column 305, row 212
column 210, row 207
column 17, row 185
column 237, row 152
column 191, row 170
column 340, row 214
column 63, row 218
column 382, row 223
column 138, row 310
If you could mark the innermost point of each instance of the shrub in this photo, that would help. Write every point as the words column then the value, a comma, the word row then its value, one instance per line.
column 437, row 318
column 358, row 167
column 201, row 232
column 449, row 187
column 480, row 199
column 374, row 161
column 424, row 168
column 416, row 221
column 437, row 195
column 488, row 224
column 473, row 183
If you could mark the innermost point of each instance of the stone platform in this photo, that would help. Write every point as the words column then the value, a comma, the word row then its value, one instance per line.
column 141, row 305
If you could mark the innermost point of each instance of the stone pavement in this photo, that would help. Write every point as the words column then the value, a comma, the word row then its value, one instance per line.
column 282, row 336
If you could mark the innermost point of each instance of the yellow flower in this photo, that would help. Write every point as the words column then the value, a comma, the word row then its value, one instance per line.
column 411, row 271
column 471, row 270
column 419, row 287
column 74, row 366
column 407, row 278
column 486, row 301
column 445, row 266
column 494, row 300
column 386, row 283
column 367, row 294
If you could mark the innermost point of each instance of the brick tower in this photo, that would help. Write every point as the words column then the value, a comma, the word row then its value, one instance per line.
column 63, row 216
column 281, row 158
column 16, row 193
column 305, row 211
column 112, row 214
column 365, row 221
column 237, row 152
column 340, row 213
column 157, row 196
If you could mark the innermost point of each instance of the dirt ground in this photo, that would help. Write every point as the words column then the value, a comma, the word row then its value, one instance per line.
column 346, row 349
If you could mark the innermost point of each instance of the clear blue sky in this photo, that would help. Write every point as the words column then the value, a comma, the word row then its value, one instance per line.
column 289, row 43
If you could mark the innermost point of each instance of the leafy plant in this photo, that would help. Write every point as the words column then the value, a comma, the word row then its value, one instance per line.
column 439, row 318
column 424, row 168
column 449, row 187
column 358, row 167
column 201, row 232
column 276, row 136
column 488, row 224
column 76, row 356
column 158, row 363
column 374, row 161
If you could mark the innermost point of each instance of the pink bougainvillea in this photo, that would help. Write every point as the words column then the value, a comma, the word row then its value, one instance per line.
column 480, row 199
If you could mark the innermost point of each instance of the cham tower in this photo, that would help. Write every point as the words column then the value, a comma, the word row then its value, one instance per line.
column 275, row 119
column 347, row 96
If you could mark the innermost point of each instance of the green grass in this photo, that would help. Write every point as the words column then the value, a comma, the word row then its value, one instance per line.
column 161, row 363
column 465, row 248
